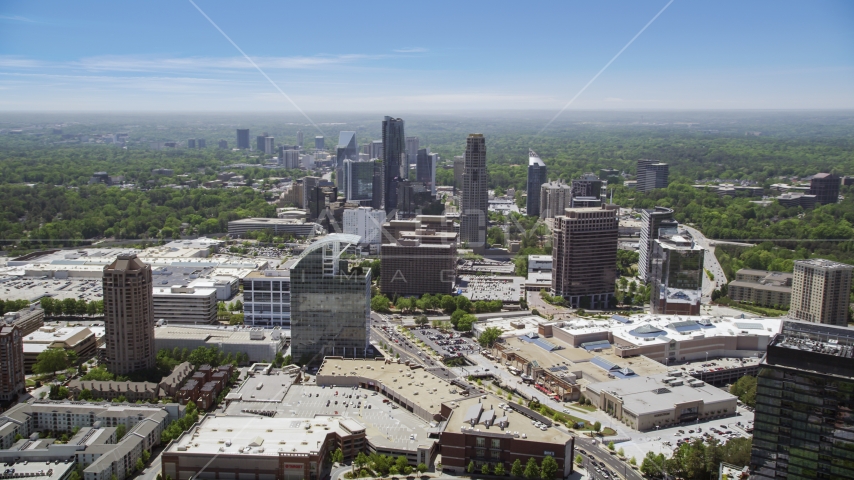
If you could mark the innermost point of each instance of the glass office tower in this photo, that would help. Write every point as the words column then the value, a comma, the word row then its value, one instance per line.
column 330, row 303
column 804, row 426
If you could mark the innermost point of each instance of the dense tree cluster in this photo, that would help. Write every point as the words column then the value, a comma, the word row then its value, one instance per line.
column 7, row 306
column 71, row 307
column 59, row 215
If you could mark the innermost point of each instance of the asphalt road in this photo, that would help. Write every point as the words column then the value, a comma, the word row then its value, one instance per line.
column 710, row 263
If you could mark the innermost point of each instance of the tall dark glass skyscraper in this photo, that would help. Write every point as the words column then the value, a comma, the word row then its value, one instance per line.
column 394, row 148
column 243, row 138
column 536, row 179
column 330, row 302
column 475, row 204
column 804, row 426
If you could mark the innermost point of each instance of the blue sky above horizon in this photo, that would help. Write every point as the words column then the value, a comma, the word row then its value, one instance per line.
column 403, row 56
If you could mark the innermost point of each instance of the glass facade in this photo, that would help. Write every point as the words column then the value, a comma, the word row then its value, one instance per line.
column 804, row 426
column 359, row 180
column 330, row 303
column 394, row 146
column 267, row 301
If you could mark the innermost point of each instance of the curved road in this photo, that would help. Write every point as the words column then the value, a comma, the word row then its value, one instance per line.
column 710, row 263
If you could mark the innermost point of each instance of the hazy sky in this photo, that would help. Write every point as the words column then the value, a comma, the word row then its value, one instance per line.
column 407, row 56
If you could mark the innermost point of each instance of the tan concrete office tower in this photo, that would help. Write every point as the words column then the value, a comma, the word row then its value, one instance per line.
column 820, row 290
column 584, row 267
column 475, row 202
column 128, row 315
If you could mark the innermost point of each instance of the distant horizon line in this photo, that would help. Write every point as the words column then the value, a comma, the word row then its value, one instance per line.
column 430, row 111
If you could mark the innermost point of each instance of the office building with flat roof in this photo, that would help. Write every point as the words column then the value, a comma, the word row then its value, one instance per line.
column 677, row 274
column 319, row 143
column 184, row 304
column 300, row 138
column 278, row 226
column 357, row 181
column 651, row 175
column 459, row 169
column 825, row 187
column 585, row 257
column 12, row 381
column 662, row 400
column 243, row 138
column 420, row 262
column 475, row 199
column 651, row 222
column 330, row 302
column 128, row 315
column 80, row 340
column 536, row 179
column 588, row 185
column 804, row 394
column 820, row 291
column 425, row 168
column 267, row 299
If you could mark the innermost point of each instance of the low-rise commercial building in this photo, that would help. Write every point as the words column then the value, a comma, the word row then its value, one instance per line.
column 276, row 448
column 79, row 340
column 663, row 400
column 761, row 287
column 673, row 338
column 486, row 431
column 259, row 344
column 278, row 226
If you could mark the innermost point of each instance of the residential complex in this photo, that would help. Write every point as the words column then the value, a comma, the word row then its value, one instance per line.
column 330, row 302
column 11, row 363
column 585, row 257
column 804, row 394
column 419, row 262
column 473, row 217
column 555, row 197
column 128, row 315
column 267, row 299
column 366, row 223
column 536, row 178
column 28, row 320
column 820, row 291
column 761, row 287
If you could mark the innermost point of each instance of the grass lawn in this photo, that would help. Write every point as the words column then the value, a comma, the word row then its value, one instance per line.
column 31, row 382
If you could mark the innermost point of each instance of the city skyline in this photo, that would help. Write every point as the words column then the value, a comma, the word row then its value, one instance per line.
column 692, row 56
